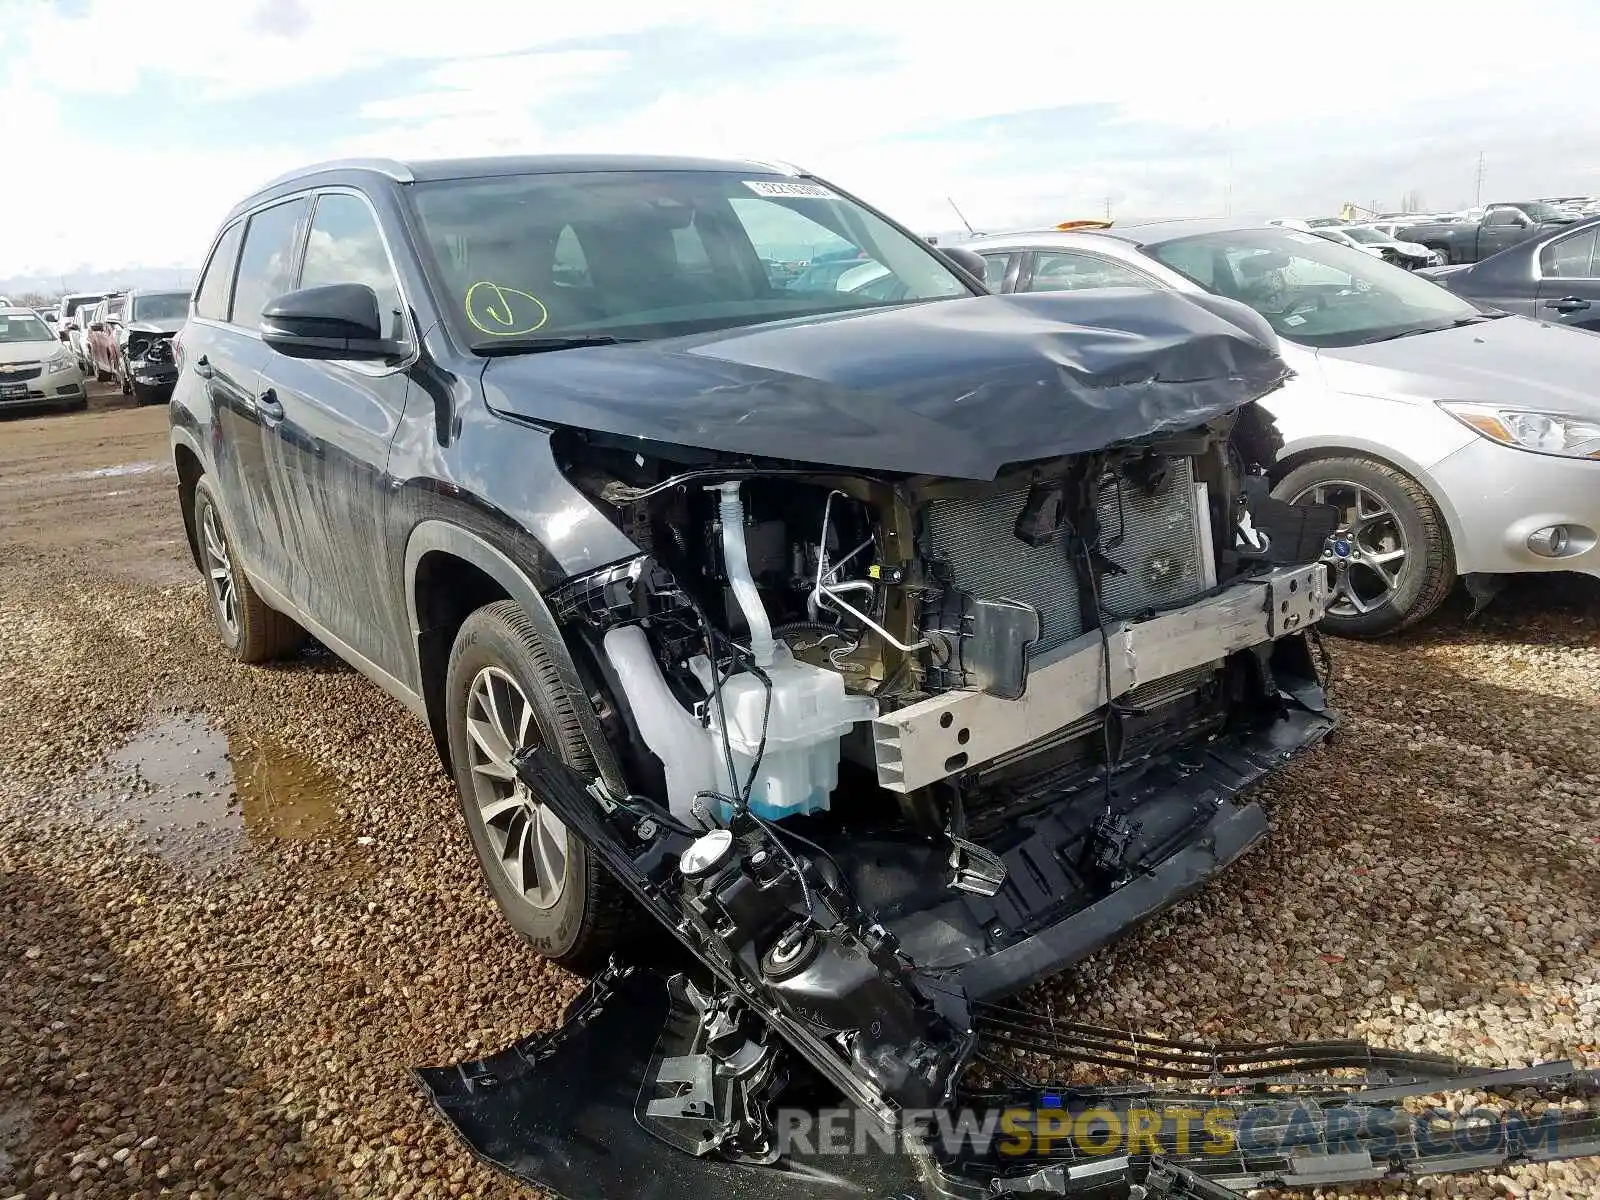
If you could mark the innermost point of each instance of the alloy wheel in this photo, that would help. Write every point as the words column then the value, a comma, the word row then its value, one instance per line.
column 529, row 841
column 1366, row 555
column 219, row 569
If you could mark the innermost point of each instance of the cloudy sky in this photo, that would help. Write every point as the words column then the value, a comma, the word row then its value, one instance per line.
column 145, row 122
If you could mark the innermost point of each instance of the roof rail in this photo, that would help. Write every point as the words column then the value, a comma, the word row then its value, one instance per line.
column 397, row 171
column 780, row 168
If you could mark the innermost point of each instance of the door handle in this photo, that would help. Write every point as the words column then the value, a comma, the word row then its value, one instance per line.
column 267, row 405
column 203, row 367
column 1568, row 304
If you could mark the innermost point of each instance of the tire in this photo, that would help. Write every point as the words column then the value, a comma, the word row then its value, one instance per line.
column 589, row 915
column 144, row 395
column 256, row 633
column 1426, row 573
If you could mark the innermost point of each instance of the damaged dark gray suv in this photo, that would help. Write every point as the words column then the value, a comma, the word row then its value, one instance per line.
column 892, row 654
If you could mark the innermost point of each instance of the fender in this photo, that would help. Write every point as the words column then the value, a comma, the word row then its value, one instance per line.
column 1342, row 445
column 182, row 435
column 432, row 535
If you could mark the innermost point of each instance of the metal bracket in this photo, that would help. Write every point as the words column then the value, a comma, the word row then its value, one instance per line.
column 974, row 869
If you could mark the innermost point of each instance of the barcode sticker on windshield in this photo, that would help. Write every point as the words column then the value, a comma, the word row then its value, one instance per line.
column 789, row 189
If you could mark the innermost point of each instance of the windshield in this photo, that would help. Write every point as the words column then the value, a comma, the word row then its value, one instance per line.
column 74, row 303
column 24, row 327
column 649, row 254
column 161, row 306
column 1371, row 237
column 1310, row 290
column 1547, row 212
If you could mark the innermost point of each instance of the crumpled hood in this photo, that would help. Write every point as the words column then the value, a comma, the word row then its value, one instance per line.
column 1513, row 361
column 956, row 388
column 15, row 352
column 170, row 325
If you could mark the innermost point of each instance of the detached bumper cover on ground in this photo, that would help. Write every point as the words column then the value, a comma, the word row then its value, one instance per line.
column 558, row 1111
column 633, row 1094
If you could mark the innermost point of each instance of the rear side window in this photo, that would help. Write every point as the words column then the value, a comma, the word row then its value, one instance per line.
column 216, row 285
column 344, row 246
column 115, row 307
column 1570, row 258
column 1064, row 271
column 266, row 266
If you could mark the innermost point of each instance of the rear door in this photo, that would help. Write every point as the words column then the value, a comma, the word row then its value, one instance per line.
column 228, row 354
column 329, row 425
column 1569, row 280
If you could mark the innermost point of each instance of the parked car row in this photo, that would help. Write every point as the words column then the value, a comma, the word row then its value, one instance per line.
column 1467, row 236
column 1554, row 276
column 120, row 337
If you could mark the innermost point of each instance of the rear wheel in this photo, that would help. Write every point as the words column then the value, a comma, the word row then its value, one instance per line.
column 502, row 693
column 251, row 630
column 1390, row 562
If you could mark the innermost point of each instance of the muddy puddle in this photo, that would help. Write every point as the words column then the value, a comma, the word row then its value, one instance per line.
column 199, row 796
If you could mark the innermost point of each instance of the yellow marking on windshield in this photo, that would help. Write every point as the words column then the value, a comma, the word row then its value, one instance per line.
column 502, row 311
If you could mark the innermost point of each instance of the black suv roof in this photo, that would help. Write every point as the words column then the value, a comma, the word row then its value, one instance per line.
column 423, row 170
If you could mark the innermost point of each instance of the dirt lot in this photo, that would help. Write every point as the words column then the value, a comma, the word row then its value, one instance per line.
column 236, row 903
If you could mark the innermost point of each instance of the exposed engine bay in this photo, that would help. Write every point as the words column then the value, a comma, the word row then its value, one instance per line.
column 889, row 748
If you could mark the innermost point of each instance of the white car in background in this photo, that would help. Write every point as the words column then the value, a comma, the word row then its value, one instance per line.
column 1457, row 442
column 72, row 318
column 35, row 368
column 1338, row 236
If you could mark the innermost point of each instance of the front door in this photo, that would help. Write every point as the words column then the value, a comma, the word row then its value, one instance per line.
column 1501, row 227
column 1569, row 284
column 329, row 427
column 266, row 268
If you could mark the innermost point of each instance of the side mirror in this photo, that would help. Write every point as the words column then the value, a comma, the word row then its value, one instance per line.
column 338, row 321
column 967, row 260
column 65, row 336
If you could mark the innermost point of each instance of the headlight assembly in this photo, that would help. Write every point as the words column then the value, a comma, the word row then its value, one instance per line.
column 1526, row 429
column 59, row 361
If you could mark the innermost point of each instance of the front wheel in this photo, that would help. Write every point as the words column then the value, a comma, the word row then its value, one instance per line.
column 503, row 693
column 1389, row 561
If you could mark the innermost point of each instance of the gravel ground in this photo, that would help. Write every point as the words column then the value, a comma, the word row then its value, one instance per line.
column 236, row 903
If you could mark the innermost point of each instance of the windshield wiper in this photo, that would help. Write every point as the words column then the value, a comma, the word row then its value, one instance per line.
column 1476, row 319
column 540, row 345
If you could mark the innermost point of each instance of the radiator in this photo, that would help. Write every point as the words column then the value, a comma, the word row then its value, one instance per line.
column 1155, row 538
